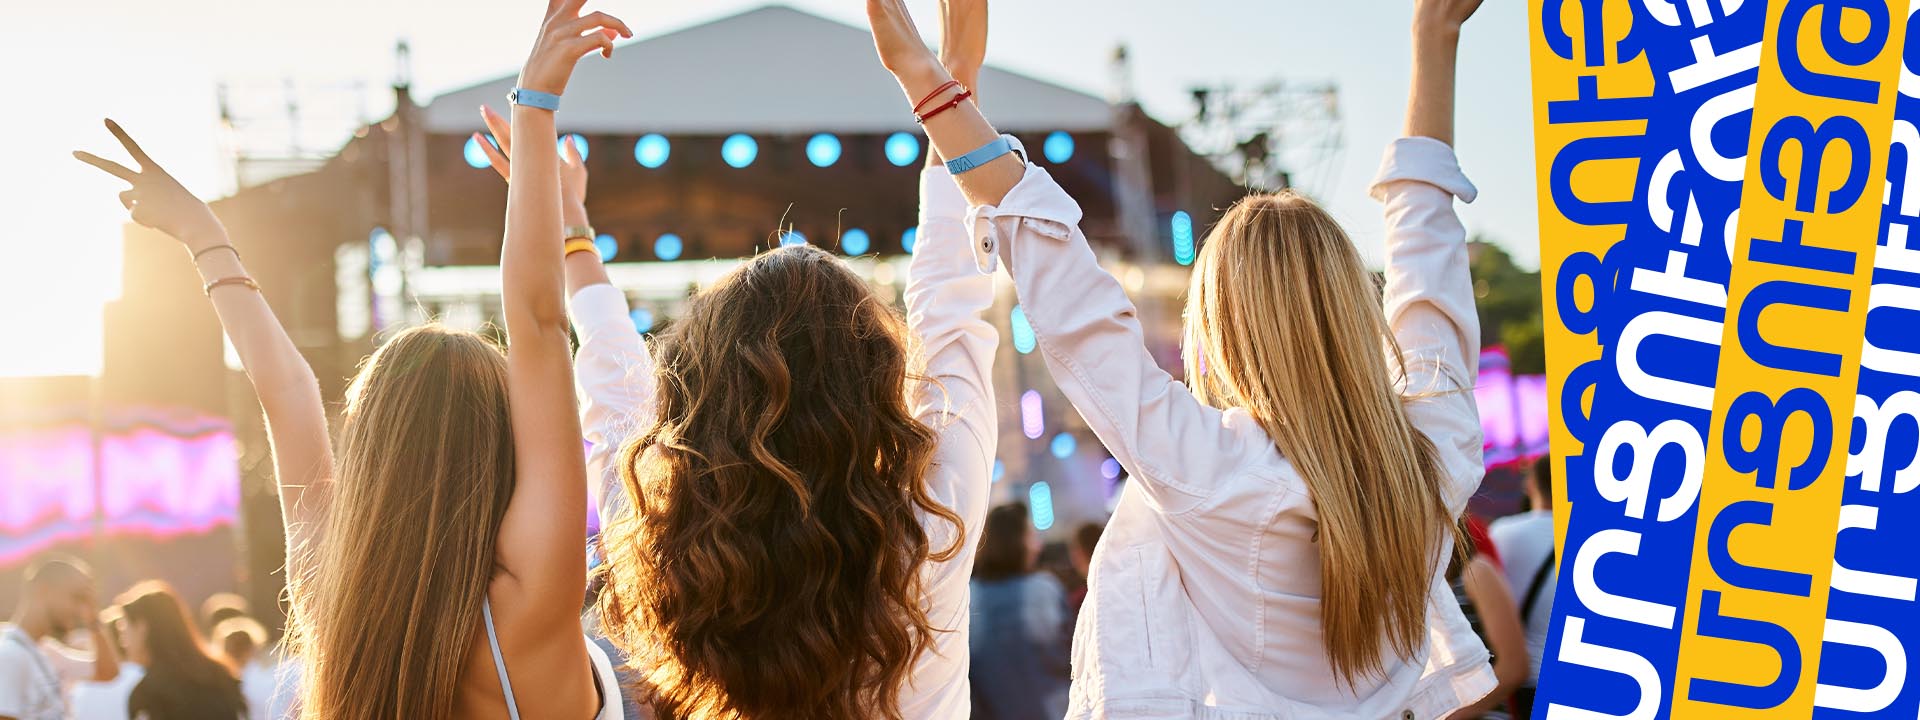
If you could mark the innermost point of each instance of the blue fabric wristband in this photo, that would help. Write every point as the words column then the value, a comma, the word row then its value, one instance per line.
column 534, row 98
column 987, row 153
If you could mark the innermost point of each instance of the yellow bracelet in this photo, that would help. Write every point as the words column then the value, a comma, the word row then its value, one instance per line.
column 581, row 245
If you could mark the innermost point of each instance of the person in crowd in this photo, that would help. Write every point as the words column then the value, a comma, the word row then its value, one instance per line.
column 1020, row 663
column 108, row 700
column 1480, row 587
column 183, row 680
column 37, row 668
column 1310, row 471
column 1526, row 544
column 439, row 564
column 218, row 607
column 789, row 533
column 241, row 643
column 1085, row 539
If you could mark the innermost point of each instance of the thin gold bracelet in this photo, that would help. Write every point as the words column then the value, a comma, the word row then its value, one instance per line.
column 235, row 280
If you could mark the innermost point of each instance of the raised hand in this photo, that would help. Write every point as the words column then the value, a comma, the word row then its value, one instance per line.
column 901, row 50
column 573, row 169
column 565, row 37
column 963, row 39
column 1442, row 15
column 157, row 200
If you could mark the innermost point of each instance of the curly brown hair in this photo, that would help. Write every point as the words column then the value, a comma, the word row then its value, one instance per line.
column 771, row 564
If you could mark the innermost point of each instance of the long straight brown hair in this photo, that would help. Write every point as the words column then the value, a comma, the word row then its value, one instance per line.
column 424, row 471
column 1284, row 322
column 770, row 566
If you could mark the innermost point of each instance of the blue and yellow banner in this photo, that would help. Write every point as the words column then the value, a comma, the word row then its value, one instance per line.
column 1733, row 341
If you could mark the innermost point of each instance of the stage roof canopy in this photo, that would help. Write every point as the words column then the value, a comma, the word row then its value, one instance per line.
column 770, row 70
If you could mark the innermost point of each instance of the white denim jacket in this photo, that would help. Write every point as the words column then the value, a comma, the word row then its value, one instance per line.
column 1204, row 598
column 945, row 295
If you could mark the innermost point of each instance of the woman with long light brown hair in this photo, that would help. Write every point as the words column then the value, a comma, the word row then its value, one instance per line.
column 805, row 476
column 436, row 555
column 1281, row 550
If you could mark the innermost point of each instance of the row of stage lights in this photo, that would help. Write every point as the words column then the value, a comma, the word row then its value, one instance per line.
column 823, row 150
column 740, row 150
column 856, row 241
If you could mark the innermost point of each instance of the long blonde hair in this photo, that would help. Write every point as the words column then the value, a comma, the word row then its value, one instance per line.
column 1284, row 322
column 424, row 472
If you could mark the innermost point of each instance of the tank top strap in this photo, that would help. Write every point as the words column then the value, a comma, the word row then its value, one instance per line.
column 499, row 662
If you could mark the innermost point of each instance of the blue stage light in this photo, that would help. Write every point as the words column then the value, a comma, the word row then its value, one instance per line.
column 908, row 238
column 667, row 247
column 642, row 319
column 1040, row 502
column 1183, row 249
column 1110, row 469
column 1058, row 147
column 791, row 238
column 607, row 246
column 651, row 151
column 903, row 149
column 855, row 242
column 1063, row 445
column 476, row 155
column 1023, row 337
column 823, row 150
column 739, row 150
column 999, row 470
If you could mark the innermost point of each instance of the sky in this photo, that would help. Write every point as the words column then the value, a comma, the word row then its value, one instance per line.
column 154, row 67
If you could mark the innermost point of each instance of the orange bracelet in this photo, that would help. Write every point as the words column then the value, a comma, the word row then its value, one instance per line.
column 581, row 245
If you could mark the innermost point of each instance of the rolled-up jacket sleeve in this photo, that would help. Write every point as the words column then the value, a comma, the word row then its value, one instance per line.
column 1429, row 303
column 613, row 375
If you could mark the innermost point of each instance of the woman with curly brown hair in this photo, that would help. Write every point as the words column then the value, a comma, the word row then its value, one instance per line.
column 805, row 477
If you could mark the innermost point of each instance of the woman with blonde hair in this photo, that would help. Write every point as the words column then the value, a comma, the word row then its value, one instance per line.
column 438, row 564
column 1281, row 553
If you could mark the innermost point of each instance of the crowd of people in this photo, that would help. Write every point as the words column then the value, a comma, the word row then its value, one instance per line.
column 795, row 491
column 144, row 655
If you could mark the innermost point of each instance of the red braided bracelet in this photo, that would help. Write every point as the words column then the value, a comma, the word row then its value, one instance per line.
column 948, row 105
column 936, row 93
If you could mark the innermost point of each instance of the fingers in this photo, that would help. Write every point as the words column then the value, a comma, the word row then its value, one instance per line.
column 500, row 127
column 594, row 20
column 113, row 168
column 565, row 8
column 127, row 199
column 602, row 41
column 133, row 148
column 494, row 157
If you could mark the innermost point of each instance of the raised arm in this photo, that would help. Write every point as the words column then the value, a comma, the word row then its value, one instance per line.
column 1089, row 331
column 1429, row 294
column 613, row 368
column 282, row 380
column 542, row 545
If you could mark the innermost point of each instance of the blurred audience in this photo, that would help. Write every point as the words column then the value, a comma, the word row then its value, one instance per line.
column 183, row 680
column 219, row 607
column 242, row 645
column 37, row 668
column 1085, row 539
column 1020, row 666
column 108, row 700
column 1480, row 586
column 1526, row 541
